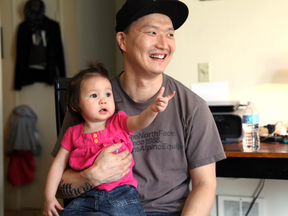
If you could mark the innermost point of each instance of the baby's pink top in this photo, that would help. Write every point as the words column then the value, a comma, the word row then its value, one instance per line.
column 84, row 148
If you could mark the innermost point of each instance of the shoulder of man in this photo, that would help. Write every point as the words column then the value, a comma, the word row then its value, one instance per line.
column 183, row 90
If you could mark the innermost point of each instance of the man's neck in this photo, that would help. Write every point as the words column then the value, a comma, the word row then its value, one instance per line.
column 140, row 89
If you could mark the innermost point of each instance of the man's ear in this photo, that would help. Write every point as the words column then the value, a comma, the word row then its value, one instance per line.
column 120, row 37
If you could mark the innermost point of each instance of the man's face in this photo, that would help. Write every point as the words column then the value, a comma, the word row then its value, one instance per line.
column 149, row 45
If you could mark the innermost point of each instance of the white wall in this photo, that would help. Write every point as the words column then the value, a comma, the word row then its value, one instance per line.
column 246, row 44
column 96, row 30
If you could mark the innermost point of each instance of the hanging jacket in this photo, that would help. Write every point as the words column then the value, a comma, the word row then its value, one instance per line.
column 42, row 48
column 23, row 143
column 23, row 132
column 21, row 168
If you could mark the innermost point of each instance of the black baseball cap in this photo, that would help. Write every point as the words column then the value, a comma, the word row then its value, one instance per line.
column 132, row 10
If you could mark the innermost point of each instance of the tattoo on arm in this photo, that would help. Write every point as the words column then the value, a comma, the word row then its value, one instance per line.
column 67, row 191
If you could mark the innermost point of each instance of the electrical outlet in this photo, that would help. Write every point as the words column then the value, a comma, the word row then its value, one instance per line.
column 203, row 72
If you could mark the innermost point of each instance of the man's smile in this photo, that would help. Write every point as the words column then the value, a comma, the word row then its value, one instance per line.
column 157, row 56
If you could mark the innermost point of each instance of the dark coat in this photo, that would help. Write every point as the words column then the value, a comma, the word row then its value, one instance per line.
column 55, row 64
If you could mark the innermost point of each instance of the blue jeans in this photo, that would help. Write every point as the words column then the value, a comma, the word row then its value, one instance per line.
column 121, row 201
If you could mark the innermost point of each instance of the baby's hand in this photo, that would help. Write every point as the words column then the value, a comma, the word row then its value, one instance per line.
column 160, row 103
column 50, row 206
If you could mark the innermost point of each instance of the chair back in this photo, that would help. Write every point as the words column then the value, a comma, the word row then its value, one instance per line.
column 60, row 85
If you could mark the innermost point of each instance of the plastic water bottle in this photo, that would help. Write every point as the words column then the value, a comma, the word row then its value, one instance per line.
column 250, row 125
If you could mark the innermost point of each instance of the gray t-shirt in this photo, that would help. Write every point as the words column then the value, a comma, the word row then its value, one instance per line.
column 181, row 138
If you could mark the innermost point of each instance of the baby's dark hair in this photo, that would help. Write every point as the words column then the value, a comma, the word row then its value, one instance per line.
column 72, row 93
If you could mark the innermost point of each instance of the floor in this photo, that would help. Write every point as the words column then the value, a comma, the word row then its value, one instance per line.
column 35, row 212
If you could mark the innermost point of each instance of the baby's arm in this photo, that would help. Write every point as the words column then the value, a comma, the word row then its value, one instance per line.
column 146, row 117
column 53, row 179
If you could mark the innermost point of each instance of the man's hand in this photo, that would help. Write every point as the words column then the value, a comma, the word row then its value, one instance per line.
column 108, row 167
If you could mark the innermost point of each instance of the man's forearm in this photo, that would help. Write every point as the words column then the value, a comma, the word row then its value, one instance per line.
column 200, row 201
column 72, row 185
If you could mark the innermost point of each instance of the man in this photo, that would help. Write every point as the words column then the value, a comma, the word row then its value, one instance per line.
column 182, row 143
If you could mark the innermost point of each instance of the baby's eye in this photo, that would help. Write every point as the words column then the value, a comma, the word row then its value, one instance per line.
column 108, row 94
column 93, row 95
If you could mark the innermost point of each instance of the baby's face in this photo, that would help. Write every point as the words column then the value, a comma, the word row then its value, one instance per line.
column 96, row 99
